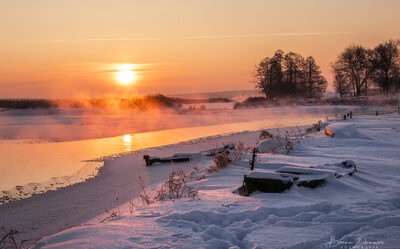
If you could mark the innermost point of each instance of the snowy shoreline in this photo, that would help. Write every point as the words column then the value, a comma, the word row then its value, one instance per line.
column 358, row 210
column 44, row 214
column 371, row 187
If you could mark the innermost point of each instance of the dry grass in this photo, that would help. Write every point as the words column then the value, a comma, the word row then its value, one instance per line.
column 111, row 214
column 221, row 160
column 240, row 150
column 281, row 144
column 175, row 187
column 265, row 134
column 315, row 127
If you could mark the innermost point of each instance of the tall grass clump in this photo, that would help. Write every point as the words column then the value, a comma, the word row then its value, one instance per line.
column 175, row 187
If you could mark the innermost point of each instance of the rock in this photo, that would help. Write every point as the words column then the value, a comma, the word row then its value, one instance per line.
column 268, row 182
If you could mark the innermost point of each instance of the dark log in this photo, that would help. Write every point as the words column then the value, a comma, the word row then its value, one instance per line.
column 213, row 152
column 150, row 160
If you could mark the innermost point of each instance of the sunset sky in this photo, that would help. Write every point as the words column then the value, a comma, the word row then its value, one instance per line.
column 78, row 48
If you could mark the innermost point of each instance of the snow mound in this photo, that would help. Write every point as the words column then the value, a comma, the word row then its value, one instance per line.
column 274, row 145
column 268, row 175
column 304, row 170
column 345, row 130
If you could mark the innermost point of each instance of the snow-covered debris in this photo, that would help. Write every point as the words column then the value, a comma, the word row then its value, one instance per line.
column 270, row 145
column 283, row 178
column 345, row 130
column 276, row 144
column 347, row 167
column 269, row 175
column 150, row 160
column 304, row 170
column 265, row 181
column 212, row 152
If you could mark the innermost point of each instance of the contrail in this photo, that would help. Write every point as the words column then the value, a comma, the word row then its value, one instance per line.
column 204, row 37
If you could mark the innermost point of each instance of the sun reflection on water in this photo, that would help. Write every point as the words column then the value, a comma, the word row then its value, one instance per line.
column 127, row 138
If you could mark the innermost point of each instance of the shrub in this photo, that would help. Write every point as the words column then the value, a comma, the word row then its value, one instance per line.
column 251, row 102
column 26, row 103
column 314, row 127
column 265, row 134
column 175, row 187
column 239, row 151
column 221, row 160
column 278, row 144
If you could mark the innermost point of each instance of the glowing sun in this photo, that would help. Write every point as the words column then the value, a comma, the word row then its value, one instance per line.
column 126, row 75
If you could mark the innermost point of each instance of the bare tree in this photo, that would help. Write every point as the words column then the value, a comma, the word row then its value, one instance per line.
column 356, row 64
column 294, row 64
column 315, row 82
column 263, row 77
column 269, row 76
column 387, row 65
column 341, row 82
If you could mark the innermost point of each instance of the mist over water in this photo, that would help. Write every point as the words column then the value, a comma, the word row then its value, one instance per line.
column 59, row 125
column 45, row 150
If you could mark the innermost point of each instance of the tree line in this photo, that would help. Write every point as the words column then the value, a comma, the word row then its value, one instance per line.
column 356, row 70
column 289, row 74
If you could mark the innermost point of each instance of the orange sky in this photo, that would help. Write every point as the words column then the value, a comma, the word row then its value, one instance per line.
column 69, row 48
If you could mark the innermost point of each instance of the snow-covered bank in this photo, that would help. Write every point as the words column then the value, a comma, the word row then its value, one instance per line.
column 54, row 211
column 359, row 210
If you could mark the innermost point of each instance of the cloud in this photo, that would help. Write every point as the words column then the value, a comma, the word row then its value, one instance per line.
column 205, row 37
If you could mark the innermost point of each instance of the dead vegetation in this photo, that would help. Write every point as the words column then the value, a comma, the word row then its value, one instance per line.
column 221, row 160
column 239, row 151
column 279, row 144
column 264, row 134
column 111, row 214
column 315, row 127
column 175, row 187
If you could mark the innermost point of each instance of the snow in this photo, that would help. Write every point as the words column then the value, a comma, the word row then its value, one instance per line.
column 304, row 170
column 270, row 145
column 345, row 130
column 268, row 175
column 350, row 211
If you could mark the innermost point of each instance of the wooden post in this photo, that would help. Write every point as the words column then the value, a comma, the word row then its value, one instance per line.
column 253, row 159
column 376, row 113
column 351, row 114
column 344, row 117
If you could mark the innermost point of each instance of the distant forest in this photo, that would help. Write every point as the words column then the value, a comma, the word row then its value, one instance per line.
column 140, row 102
column 289, row 74
column 357, row 70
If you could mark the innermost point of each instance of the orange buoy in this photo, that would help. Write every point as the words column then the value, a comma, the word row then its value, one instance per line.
column 328, row 133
